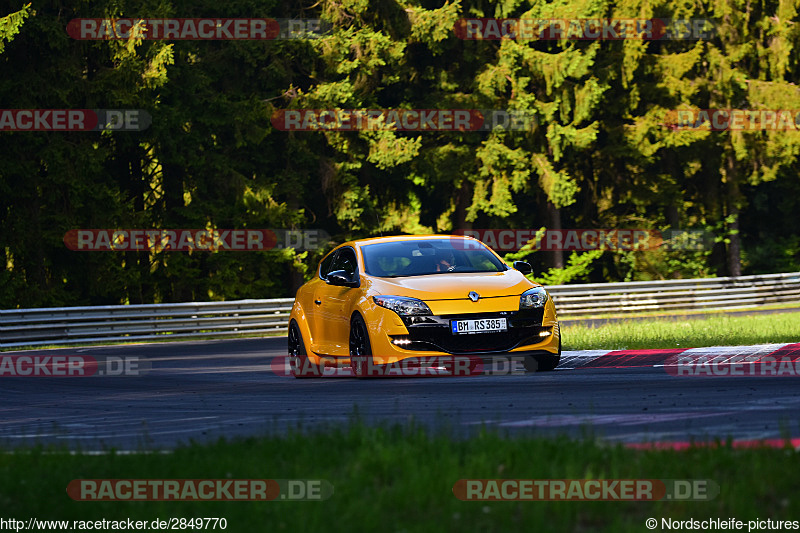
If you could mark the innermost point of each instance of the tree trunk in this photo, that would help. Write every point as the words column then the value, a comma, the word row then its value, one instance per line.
column 463, row 201
column 556, row 257
column 130, row 170
column 178, row 288
column 293, row 275
column 732, row 199
column 672, row 213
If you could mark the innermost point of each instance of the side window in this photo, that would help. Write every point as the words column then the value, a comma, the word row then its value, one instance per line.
column 345, row 260
column 325, row 265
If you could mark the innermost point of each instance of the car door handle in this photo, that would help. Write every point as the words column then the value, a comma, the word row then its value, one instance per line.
column 318, row 302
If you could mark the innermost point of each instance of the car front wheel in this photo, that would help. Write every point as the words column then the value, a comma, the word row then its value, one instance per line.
column 543, row 362
column 361, row 361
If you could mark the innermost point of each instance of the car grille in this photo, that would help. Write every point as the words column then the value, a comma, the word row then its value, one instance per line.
column 433, row 333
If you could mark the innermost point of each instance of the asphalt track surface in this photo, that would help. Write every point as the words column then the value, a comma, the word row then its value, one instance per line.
column 200, row 391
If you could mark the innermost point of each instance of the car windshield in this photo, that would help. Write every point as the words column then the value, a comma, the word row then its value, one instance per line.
column 423, row 257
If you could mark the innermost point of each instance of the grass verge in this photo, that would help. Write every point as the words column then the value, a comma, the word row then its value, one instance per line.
column 401, row 479
column 698, row 313
column 724, row 330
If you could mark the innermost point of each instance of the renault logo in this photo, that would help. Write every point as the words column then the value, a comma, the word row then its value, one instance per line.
column 474, row 296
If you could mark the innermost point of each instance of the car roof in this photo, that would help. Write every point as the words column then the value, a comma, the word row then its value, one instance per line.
column 400, row 238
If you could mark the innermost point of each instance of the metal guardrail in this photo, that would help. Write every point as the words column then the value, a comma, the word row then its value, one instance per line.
column 675, row 295
column 72, row 325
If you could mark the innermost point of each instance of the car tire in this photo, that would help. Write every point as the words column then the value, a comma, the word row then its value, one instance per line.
column 543, row 362
column 361, row 361
column 301, row 366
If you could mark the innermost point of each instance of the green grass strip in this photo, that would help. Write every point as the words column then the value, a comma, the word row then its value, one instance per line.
column 401, row 479
column 721, row 330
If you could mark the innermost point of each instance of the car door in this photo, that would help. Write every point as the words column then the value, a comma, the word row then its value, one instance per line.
column 334, row 306
column 313, row 307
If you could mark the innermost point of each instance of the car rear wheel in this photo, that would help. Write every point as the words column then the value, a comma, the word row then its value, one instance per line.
column 543, row 362
column 361, row 361
column 301, row 366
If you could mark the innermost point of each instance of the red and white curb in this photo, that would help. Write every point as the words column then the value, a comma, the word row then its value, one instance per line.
column 654, row 358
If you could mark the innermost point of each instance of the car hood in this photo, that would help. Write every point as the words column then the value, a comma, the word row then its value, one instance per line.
column 453, row 286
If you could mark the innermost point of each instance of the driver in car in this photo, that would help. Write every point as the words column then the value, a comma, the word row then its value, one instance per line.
column 446, row 263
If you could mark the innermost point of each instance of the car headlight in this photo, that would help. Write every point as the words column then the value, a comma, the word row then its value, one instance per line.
column 533, row 298
column 403, row 306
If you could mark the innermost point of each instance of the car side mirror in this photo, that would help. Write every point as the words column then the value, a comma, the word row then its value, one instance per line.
column 523, row 267
column 340, row 278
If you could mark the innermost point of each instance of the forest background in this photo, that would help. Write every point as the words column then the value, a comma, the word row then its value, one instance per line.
column 602, row 154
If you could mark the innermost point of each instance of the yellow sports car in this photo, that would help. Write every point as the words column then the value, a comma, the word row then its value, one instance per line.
column 379, row 301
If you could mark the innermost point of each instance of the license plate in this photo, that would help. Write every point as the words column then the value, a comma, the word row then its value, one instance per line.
column 478, row 325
